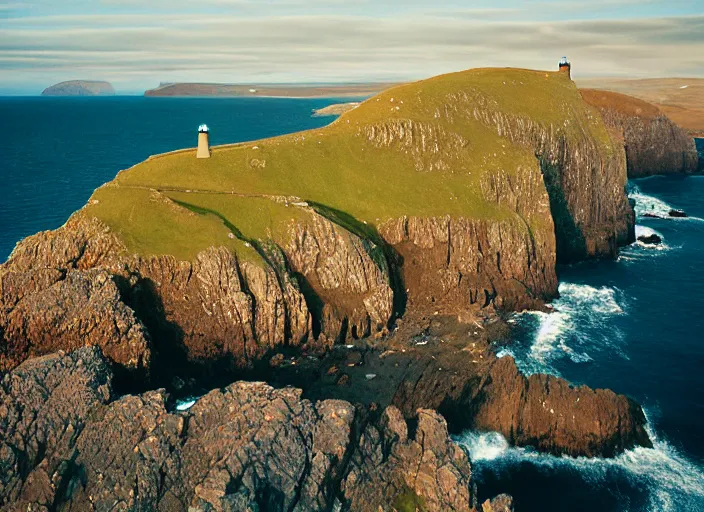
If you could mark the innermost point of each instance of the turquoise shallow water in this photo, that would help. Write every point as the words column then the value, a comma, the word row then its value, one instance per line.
column 634, row 325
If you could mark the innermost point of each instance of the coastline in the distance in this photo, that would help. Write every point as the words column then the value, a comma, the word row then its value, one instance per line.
column 271, row 90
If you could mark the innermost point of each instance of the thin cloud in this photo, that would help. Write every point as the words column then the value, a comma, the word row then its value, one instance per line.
column 139, row 50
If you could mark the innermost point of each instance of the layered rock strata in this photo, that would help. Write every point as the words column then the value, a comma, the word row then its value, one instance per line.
column 653, row 143
column 319, row 288
column 68, row 443
column 585, row 178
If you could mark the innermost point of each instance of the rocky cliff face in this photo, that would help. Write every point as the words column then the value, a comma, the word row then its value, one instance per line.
column 463, row 266
column 654, row 144
column 246, row 447
column 585, row 180
column 216, row 309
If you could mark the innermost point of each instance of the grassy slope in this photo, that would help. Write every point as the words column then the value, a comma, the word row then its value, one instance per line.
column 339, row 167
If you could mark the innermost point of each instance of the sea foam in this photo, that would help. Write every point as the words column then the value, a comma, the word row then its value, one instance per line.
column 653, row 206
column 673, row 482
column 186, row 403
column 560, row 333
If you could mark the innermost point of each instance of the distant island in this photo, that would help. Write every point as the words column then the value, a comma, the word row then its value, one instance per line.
column 271, row 90
column 80, row 88
column 335, row 110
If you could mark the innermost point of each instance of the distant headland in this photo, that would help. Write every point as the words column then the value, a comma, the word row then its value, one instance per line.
column 80, row 88
column 681, row 99
column 335, row 110
column 271, row 90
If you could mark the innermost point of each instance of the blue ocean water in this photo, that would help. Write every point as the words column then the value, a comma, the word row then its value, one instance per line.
column 634, row 325
column 56, row 151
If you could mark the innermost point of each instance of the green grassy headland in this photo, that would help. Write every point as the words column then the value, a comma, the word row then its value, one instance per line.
column 176, row 204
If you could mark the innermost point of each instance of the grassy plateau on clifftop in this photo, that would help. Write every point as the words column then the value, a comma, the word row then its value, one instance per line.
column 415, row 150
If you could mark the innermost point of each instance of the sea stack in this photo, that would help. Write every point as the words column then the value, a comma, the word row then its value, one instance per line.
column 203, row 142
column 566, row 67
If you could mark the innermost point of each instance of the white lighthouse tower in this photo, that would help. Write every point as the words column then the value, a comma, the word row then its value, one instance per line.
column 203, row 142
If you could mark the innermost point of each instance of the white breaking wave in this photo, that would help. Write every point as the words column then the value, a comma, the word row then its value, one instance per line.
column 646, row 231
column 560, row 333
column 186, row 403
column 651, row 205
column 673, row 482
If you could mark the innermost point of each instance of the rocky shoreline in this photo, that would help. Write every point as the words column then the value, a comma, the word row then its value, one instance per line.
column 374, row 341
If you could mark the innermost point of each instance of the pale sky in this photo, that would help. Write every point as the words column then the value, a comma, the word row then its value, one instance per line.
column 135, row 44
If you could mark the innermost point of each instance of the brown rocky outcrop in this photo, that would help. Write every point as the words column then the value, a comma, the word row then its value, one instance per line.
column 66, row 445
column 654, row 144
column 391, row 464
column 553, row 416
column 474, row 389
column 44, row 406
column 540, row 411
column 215, row 308
column 47, row 310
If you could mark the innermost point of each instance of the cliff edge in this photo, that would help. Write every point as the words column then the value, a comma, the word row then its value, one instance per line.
column 654, row 144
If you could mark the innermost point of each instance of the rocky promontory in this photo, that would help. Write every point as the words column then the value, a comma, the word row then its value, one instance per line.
column 372, row 261
column 654, row 144
column 80, row 88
